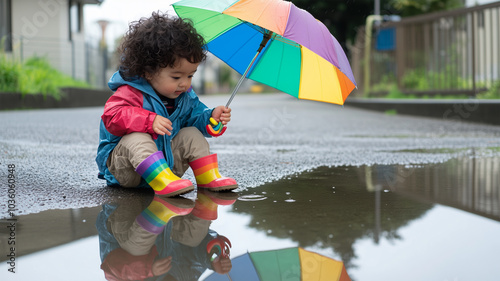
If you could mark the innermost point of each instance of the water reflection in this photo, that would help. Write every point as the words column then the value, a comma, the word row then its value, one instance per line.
column 337, row 210
column 163, row 238
column 469, row 184
column 381, row 221
column 331, row 210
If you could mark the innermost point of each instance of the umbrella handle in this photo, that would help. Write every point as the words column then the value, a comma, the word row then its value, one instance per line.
column 215, row 129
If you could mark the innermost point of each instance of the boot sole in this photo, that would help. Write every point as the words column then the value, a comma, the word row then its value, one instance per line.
column 178, row 192
column 220, row 188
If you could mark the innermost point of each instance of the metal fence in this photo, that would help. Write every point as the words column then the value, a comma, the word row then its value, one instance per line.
column 79, row 59
column 452, row 52
column 467, row 183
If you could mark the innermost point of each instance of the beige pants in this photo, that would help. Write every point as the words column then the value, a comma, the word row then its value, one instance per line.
column 188, row 145
column 130, row 235
column 189, row 230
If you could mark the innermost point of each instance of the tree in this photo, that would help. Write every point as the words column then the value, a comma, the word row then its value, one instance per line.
column 416, row 7
column 343, row 18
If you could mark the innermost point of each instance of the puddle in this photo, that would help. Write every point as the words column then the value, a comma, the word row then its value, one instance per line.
column 384, row 222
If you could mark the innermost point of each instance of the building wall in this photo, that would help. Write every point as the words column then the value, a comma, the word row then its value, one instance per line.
column 42, row 28
column 33, row 19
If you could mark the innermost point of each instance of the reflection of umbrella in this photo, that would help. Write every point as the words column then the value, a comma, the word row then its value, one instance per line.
column 297, row 53
column 285, row 264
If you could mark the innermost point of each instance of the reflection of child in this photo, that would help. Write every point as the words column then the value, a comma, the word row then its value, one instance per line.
column 154, row 126
column 165, row 239
column 191, row 243
column 128, row 235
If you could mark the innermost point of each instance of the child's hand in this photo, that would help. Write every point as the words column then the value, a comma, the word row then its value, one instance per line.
column 162, row 126
column 222, row 265
column 222, row 114
column 161, row 266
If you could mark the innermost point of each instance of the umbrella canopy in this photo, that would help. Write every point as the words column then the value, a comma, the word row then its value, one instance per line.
column 301, row 57
column 293, row 264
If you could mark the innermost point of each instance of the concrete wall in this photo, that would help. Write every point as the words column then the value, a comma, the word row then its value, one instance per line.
column 72, row 97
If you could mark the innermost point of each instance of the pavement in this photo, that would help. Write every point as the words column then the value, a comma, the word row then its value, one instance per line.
column 270, row 137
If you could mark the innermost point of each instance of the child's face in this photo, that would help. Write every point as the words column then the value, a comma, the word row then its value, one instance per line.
column 173, row 81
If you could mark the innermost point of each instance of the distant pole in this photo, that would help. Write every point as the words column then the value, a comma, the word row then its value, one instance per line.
column 103, row 48
column 103, row 24
column 368, row 47
column 377, row 8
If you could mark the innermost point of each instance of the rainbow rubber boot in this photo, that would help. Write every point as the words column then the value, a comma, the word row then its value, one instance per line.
column 206, row 172
column 154, row 218
column 158, row 175
column 207, row 202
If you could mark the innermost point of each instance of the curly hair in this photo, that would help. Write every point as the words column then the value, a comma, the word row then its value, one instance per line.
column 158, row 42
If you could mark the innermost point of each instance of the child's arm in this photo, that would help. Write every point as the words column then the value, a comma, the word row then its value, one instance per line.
column 200, row 116
column 124, row 114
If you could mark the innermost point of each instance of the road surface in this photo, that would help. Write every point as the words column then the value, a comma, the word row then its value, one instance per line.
column 270, row 137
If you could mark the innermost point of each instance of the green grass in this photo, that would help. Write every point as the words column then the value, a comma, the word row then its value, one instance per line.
column 34, row 76
column 419, row 80
column 492, row 93
column 391, row 112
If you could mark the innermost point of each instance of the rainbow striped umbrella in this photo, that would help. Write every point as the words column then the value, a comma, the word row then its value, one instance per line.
column 292, row 264
column 275, row 43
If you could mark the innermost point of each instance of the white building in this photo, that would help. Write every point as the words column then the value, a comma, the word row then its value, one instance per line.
column 47, row 28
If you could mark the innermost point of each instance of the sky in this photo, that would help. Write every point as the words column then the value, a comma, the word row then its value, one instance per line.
column 121, row 12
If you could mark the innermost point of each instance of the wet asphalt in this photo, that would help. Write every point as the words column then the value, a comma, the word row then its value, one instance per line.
column 270, row 137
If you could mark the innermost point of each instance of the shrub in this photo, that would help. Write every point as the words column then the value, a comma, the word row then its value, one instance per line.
column 492, row 93
column 34, row 76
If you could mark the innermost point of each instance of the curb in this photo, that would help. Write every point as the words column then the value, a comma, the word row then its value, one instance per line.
column 471, row 110
column 71, row 98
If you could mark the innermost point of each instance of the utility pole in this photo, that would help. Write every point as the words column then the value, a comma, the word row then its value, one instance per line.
column 103, row 48
column 377, row 8
column 368, row 47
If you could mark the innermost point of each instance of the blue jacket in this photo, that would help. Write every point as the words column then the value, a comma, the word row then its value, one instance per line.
column 189, row 112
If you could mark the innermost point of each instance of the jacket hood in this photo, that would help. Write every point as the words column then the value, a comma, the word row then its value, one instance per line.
column 139, row 83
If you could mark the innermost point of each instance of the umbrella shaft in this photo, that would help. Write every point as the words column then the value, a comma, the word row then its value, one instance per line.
column 241, row 80
column 266, row 38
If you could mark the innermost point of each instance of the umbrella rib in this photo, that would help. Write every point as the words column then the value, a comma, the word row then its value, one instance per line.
column 275, row 35
column 222, row 31
column 260, row 15
column 320, row 77
column 234, row 54
column 279, row 68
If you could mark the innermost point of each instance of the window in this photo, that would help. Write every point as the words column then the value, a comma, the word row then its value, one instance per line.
column 6, row 25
